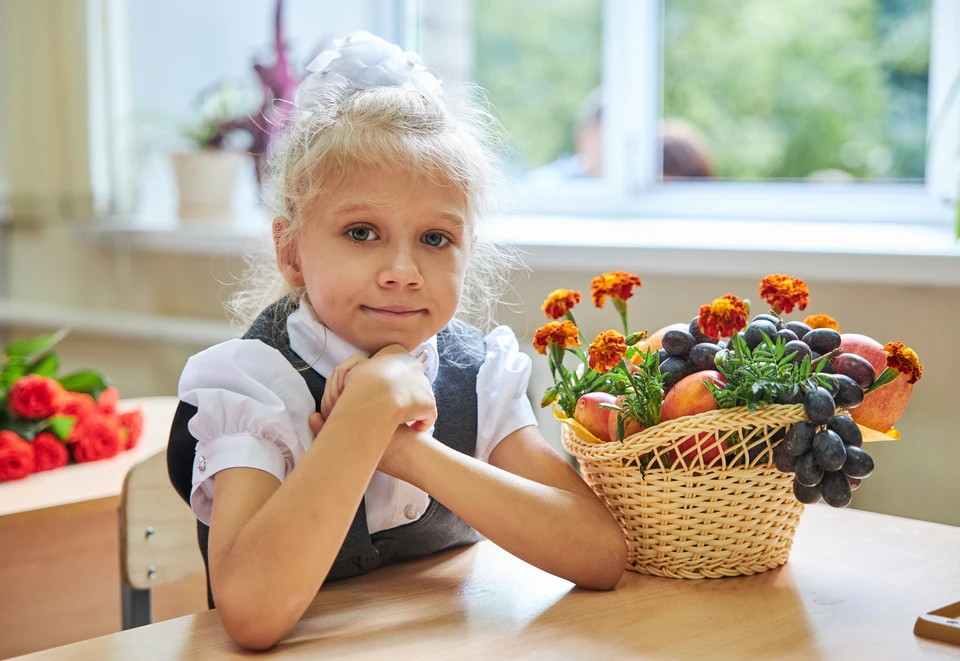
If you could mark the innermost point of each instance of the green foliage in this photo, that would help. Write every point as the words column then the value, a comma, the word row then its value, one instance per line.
column 782, row 89
column 568, row 387
column 537, row 60
column 755, row 378
column 645, row 394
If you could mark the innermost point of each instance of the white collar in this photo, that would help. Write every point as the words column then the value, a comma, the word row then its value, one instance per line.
column 307, row 341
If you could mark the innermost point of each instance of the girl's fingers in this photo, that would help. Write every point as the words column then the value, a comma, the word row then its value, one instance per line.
column 316, row 423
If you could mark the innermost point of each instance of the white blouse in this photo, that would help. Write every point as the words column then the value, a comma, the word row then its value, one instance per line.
column 253, row 405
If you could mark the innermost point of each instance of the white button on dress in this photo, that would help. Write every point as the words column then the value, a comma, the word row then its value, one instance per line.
column 411, row 512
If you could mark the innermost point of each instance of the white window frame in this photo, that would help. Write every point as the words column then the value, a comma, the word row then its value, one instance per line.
column 632, row 76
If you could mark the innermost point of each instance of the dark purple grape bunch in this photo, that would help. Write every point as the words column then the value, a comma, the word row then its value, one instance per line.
column 825, row 452
column 686, row 352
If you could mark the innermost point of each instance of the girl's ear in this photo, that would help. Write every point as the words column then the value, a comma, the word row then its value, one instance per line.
column 288, row 257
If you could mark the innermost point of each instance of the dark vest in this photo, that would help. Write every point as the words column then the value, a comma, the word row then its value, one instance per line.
column 438, row 528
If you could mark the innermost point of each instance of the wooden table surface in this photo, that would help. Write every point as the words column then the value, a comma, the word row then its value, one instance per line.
column 852, row 589
column 90, row 487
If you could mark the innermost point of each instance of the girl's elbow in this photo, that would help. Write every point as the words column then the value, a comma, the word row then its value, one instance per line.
column 250, row 622
column 609, row 564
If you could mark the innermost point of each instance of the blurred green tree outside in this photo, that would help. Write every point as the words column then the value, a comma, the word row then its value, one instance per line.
column 780, row 89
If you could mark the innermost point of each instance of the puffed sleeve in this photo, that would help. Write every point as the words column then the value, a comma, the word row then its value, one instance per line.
column 502, row 403
column 252, row 412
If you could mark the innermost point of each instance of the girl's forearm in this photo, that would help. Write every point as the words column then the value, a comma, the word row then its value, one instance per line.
column 566, row 534
column 283, row 554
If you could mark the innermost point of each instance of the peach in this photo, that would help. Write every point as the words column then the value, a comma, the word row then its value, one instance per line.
column 708, row 445
column 691, row 396
column 882, row 408
column 592, row 416
column 630, row 427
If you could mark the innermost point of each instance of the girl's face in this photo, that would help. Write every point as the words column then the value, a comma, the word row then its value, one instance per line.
column 382, row 258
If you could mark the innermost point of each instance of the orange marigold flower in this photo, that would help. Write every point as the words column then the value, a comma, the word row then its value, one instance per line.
column 783, row 293
column 616, row 284
column 563, row 333
column 606, row 351
column 904, row 360
column 724, row 317
column 822, row 321
column 559, row 302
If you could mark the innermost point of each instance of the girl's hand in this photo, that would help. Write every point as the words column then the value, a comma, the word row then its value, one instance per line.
column 337, row 382
column 404, row 441
column 395, row 381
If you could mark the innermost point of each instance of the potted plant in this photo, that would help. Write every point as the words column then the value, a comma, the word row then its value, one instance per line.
column 206, row 171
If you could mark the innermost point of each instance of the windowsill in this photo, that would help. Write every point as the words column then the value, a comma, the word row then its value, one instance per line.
column 846, row 252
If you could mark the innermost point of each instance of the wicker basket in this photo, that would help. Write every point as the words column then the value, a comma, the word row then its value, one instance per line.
column 690, row 515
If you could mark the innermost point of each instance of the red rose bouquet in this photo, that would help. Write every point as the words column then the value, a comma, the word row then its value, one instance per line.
column 48, row 421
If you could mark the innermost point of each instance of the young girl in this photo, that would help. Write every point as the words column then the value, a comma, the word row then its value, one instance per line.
column 358, row 423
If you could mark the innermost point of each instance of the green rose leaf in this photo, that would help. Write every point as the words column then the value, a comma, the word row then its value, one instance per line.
column 62, row 425
column 29, row 348
column 45, row 365
column 87, row 381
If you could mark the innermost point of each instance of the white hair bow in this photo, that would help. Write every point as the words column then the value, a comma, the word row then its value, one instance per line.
column 362, row 60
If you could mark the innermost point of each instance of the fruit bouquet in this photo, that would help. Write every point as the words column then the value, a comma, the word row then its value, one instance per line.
column 47, row 422
column 707, row 438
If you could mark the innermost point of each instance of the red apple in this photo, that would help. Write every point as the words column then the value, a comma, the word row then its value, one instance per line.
column 882, row 408
column 630, row 426
column 592, row 416
column 689, row 397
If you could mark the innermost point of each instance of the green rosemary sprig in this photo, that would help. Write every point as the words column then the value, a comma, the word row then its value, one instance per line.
column 756, row 378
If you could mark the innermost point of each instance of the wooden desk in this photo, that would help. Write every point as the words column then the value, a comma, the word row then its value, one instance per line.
column 59, row 548
column 852, row 590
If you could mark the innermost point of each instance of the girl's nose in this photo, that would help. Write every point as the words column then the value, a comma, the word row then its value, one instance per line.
column 401, row 271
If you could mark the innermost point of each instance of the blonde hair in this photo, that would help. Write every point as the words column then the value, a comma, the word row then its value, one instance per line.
column 339, row 130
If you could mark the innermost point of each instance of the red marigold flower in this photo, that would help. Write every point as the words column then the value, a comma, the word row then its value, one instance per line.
column 616, row 284
column 783, row 292
column 904, row 360
column 822, row 321
column 606, row 351
column 559, row 302
column 563, row 333
column 724, row 317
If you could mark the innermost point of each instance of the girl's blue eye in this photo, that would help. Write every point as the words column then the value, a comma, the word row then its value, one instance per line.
column 361, row 234
column 435, row 240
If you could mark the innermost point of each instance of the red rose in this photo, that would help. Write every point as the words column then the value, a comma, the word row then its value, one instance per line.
column 35, row 396
column 16, row 457
column 109, row 398
column 94, row 438
column 77, row 404
column 49, row 452
column 132, row 424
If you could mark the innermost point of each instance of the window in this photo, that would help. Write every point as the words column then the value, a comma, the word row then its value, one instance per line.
column 801, row 109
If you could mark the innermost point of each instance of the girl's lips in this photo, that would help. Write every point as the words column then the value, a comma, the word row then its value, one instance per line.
column 394, row 311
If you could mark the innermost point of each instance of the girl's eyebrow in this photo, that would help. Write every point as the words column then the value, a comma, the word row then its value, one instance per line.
column 354, row 206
